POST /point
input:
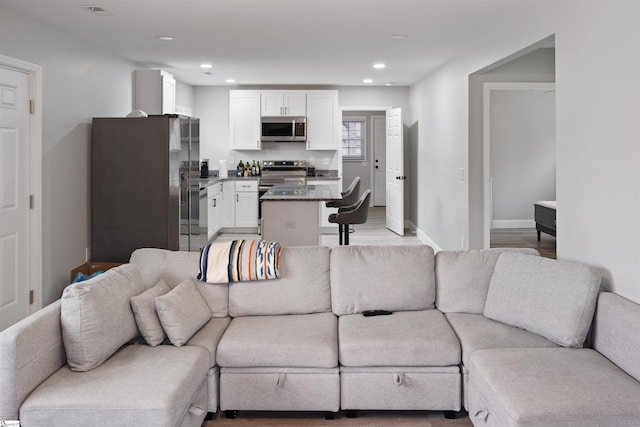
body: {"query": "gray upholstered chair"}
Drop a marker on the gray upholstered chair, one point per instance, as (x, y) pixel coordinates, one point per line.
(349, 196)
(355, 214)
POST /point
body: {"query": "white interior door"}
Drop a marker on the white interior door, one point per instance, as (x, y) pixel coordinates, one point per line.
(14, 197)
(395, 172)
(380, 161)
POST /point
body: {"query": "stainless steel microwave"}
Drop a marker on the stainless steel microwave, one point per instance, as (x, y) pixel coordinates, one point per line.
(283, 129)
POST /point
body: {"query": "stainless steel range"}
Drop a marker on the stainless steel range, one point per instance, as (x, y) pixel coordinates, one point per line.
(280, 172)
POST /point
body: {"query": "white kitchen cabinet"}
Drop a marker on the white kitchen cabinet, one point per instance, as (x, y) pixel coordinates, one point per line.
(244, 120)
(325, 226)
(323, 120)
(214, 209)
(283, 103)
(228, 204)
(246, 204)
(155, 92)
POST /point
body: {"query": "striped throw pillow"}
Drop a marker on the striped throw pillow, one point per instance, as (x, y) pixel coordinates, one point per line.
(239, 260)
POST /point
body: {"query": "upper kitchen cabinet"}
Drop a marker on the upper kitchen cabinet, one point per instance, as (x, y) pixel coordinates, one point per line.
(275, 103)
(323, 120)
(155, 92)
(244, 120)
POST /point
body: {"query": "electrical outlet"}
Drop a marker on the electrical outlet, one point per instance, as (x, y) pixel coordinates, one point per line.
(460, 174)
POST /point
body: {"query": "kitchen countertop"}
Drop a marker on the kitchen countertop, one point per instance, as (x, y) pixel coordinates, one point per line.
(204, 182)
(303, 193)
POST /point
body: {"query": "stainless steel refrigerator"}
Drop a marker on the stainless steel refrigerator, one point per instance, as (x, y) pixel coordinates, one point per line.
(145, 182)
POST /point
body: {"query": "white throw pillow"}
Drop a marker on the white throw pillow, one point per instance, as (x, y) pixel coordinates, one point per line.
(182, 312)
(144, 310)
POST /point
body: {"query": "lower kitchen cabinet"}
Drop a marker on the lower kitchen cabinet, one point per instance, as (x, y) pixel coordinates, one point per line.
(246, 204)
(240, 204)
(325, 226)
(214, 209)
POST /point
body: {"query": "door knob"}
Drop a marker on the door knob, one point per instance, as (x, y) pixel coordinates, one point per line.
(376, 166)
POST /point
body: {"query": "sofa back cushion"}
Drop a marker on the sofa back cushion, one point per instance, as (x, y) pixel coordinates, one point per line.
(547, 297)
(615, 332)
(462, 278)
(96, 316)
(303, 286)
(395, 278)
(176, 266)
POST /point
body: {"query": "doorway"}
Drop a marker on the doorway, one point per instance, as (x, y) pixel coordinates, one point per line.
(518, 157)
(20, 190)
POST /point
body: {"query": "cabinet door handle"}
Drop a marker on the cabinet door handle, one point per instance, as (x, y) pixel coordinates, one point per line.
(237, 197)
(280, 110)
(215, 203)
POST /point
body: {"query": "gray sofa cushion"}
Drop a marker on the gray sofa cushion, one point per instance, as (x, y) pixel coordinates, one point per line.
(303, 286)
(182, 312)
(616, 332)
(144, 310)
(396, 278)
(174, 267)
(137, 386)
(544, 387)
(30, 352)
(209, 336)
(551, 298)
(96, 316)
(476, 332)
(409, 338)
(295, 340)
(462, 278)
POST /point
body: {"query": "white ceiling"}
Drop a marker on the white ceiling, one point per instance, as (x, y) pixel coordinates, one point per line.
(280, 42)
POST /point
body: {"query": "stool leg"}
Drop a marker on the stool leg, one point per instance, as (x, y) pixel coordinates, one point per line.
(346, 234)
(340, 234)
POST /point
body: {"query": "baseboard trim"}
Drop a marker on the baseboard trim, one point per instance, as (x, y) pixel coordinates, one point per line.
(513, 223)
(424, 238)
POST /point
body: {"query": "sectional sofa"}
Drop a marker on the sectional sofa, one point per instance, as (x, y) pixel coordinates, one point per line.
(500, 333)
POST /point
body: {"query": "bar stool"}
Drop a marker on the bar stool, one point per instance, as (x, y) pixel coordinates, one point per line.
(349, 196)
(347, 215)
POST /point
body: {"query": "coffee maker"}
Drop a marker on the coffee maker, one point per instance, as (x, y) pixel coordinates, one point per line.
(204, 168)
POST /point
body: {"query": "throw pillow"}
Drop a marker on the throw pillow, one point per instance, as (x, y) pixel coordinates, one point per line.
(144, 310)
(182, 312)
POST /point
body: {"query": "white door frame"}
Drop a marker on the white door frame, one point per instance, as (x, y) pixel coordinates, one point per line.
(34, 72)
(488, 87)
(369, 108)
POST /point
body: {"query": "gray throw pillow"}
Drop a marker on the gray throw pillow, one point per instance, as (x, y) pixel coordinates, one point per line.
(182, 312)
(144, 310)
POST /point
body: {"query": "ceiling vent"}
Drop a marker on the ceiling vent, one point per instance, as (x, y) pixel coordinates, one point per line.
(97, 10)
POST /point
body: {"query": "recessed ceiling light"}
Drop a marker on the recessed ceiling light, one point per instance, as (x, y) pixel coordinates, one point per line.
(206, 66)
(367, 81)
(379, 66)
(230, 81)
(208, 73)
(97, 10)
(389, 83)
(165, 38)
(399, 36)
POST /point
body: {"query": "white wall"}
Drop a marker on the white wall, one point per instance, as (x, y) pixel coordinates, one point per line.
(523, 154)
(80, 81)
(597, 132)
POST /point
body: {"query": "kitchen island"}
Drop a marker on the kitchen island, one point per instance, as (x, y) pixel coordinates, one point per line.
(291, 213)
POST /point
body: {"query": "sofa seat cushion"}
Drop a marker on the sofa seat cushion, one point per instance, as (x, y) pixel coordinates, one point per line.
(476, 332)
(139, 385)
(209, 336)
(550, 386)
(297, 340)
(404, 338)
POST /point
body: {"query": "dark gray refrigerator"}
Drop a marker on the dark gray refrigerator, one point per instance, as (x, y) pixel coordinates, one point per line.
(145, 182)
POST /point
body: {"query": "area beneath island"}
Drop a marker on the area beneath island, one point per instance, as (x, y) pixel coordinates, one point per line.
(291, 213)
